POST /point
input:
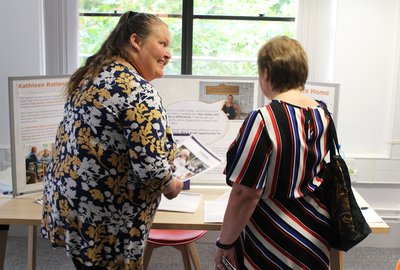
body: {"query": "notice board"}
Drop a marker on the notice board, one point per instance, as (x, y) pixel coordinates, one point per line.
(193, 105)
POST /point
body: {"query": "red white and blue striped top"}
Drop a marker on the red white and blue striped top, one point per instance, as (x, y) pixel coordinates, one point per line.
(280, 148)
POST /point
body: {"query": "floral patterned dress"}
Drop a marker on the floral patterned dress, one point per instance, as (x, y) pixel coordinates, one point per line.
(112, 158)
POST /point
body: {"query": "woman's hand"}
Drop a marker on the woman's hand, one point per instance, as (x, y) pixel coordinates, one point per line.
(229, 254)
(173, 188)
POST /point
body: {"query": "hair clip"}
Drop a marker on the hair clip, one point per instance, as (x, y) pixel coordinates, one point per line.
(132, 13)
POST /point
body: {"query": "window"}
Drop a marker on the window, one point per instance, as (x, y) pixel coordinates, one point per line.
(209, 37)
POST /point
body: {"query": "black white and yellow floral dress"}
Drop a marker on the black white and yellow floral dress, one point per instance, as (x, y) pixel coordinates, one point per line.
(112, 158)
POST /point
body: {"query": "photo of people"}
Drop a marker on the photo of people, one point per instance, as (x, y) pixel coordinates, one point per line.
(182, 157)
(36, 162)
(193, 158)
(195, 165)
(181, 162)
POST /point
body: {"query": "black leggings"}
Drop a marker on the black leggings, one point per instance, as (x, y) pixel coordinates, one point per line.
(79, 266)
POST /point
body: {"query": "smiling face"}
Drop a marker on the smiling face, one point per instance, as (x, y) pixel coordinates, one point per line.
(152, 54)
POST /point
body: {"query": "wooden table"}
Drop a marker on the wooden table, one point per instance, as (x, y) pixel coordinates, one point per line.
(21, 211)
(24, 211)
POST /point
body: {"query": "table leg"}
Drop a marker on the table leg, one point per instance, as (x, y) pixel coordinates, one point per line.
(3, 244)
(336, 259)
(32, 237)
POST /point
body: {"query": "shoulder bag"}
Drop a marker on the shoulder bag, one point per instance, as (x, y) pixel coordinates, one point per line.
(347, 221)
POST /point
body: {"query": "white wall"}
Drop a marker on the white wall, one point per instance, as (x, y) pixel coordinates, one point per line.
(21, 50)
(355, 43)
(365, 66)
(363, 56)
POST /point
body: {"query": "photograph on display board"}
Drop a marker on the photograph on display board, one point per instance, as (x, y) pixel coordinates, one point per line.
(237, 98)
(37, 160)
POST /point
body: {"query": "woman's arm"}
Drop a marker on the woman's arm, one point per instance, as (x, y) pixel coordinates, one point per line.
(242, 202)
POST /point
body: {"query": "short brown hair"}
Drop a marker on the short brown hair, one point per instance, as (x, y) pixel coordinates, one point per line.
(286, 63)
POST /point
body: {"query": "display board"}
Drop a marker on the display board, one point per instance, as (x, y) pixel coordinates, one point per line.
(194, 106)
(36, 108)
(326, 92)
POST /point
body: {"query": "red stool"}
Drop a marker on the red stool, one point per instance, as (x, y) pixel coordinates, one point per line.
(183, 240)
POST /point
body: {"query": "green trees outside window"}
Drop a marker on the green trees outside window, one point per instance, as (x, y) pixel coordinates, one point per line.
(226, 34)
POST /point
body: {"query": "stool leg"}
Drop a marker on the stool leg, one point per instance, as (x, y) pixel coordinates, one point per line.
(148, 250)
(185, 255)
(3, 244)
(194, 256)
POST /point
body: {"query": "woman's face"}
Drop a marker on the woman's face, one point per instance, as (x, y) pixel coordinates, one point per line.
(154, 53)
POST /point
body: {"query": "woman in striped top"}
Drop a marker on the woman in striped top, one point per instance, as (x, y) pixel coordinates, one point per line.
(276, 218)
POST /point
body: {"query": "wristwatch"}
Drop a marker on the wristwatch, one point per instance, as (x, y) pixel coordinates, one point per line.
(224, 246)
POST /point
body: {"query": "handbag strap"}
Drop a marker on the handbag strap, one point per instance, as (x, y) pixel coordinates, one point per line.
(333, 143)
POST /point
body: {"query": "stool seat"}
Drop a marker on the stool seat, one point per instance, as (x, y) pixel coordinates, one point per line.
(183, 240)
(174, 237)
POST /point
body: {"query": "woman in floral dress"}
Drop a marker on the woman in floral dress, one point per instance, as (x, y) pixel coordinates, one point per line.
(113, 150)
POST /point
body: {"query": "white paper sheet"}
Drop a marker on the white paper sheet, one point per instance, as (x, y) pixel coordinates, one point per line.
(224, 197)
(214, 211)
(193, 159)
(184, 202)
(371, 216)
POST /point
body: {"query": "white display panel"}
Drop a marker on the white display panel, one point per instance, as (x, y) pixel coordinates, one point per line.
(36, 108)
(193, 105)
(193, 110)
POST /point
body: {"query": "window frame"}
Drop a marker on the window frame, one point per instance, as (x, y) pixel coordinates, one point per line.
(188, 18)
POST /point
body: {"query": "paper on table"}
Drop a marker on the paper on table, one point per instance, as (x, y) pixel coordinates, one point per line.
(184, 202)
(369, 213)
(224, 197)
(371, 216)
(214, 210)
(5, 181)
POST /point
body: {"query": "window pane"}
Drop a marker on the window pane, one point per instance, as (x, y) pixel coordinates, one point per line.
(280, 8)
(175, 29)
(92, 33)
(122, 6)
(230, 48)
(94, 29)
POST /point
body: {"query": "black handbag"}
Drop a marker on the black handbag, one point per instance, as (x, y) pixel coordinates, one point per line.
(348, 224)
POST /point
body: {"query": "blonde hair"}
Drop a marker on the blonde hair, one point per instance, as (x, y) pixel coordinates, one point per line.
(286, 63)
